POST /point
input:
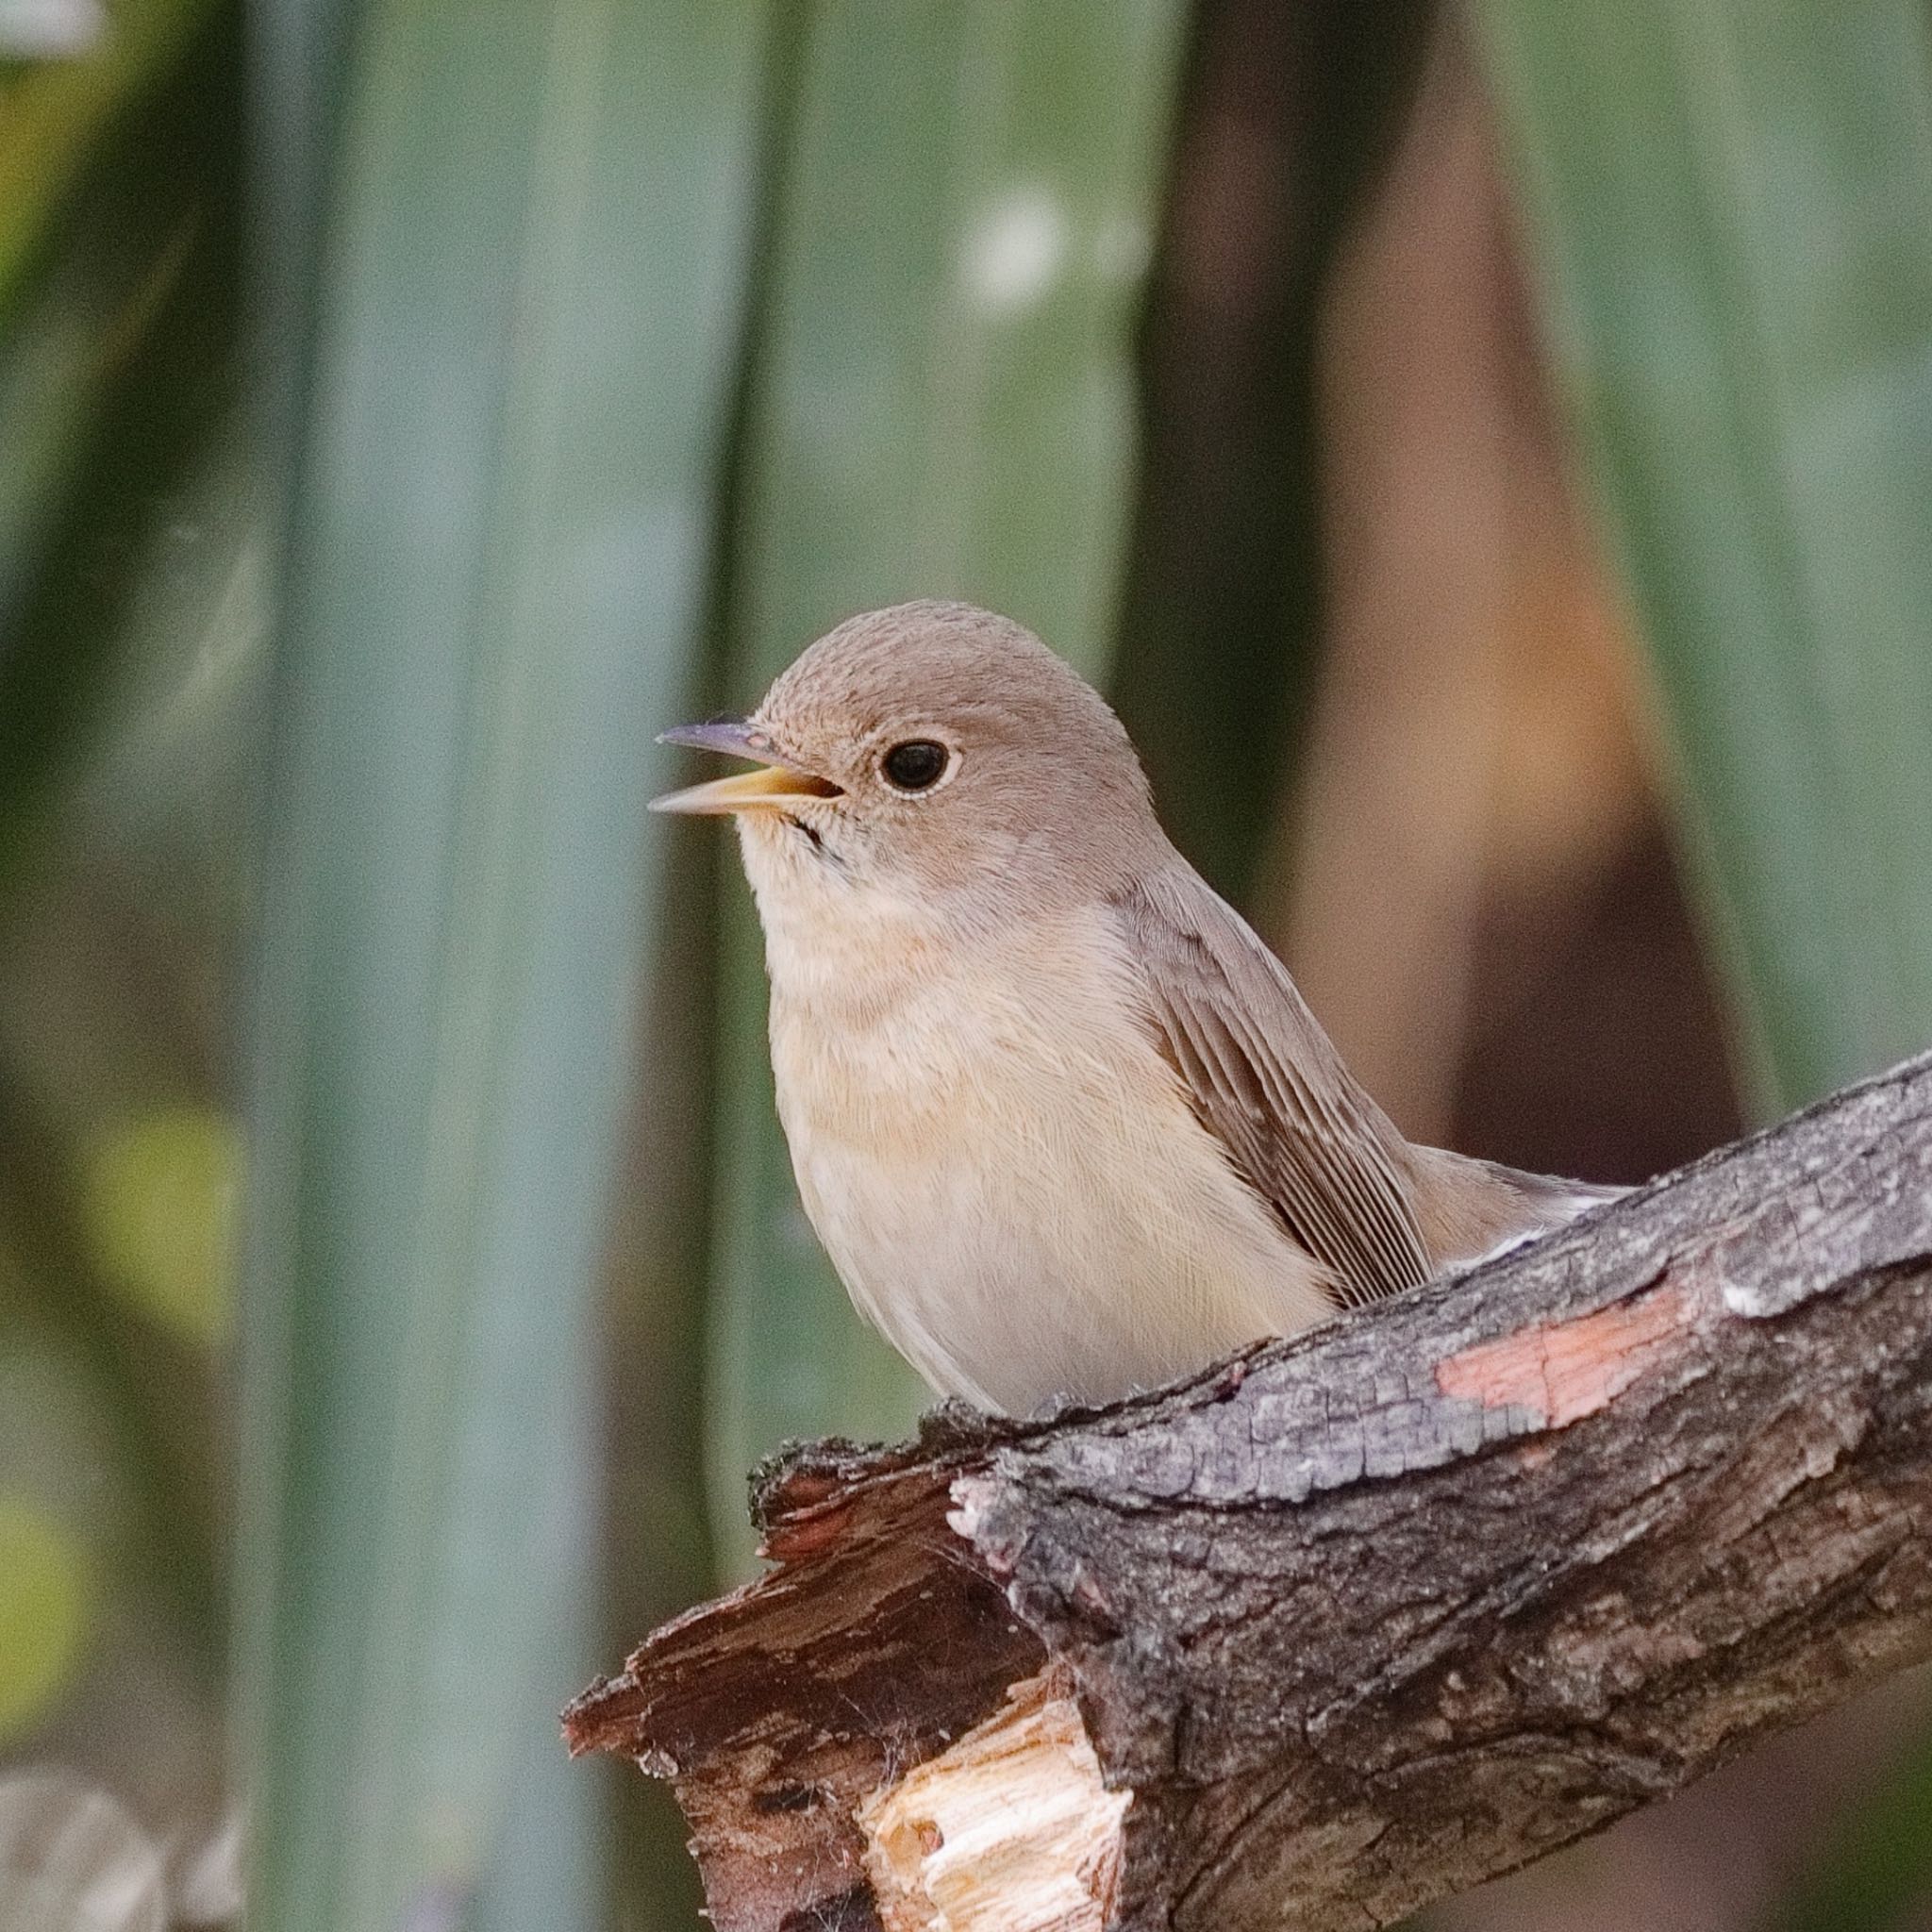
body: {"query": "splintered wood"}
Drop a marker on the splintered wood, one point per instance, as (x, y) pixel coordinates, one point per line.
(1010, 1830)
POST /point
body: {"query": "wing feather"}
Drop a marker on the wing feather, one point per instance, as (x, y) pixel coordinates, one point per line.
(1264, 1079)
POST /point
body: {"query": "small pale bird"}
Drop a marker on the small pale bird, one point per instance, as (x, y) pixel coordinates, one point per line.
(1063, 1124)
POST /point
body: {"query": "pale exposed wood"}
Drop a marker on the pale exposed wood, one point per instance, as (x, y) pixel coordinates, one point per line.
(1011, 1829)
(1360, 1619)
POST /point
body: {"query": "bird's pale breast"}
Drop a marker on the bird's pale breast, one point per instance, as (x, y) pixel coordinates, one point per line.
(1002, 1167)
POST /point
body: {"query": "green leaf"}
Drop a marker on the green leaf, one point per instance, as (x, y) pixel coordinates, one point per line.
(54, 116)
(160, 1196)
(1731, 210)
(514, 382)
(45, 1595)
(942, 405)
(116, 332)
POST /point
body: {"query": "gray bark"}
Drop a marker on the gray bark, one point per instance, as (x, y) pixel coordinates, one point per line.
(1360, 1619)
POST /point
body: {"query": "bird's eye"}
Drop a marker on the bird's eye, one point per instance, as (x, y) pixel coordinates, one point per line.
(914, 765)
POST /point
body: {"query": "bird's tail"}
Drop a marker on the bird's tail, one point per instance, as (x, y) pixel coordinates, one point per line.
(1471, 1209)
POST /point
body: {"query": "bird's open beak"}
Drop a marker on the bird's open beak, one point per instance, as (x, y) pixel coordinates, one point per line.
(773, 788)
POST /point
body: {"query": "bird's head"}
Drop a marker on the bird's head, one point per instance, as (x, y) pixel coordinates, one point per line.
(937, 756)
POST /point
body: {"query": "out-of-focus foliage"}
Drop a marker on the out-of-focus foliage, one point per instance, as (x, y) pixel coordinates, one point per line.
(1733, 210)
(160, 1201)
(55, 112)
(116, 311)
(494, 565)
(44, 1609)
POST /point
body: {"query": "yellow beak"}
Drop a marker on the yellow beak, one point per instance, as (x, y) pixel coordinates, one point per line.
(771, 790)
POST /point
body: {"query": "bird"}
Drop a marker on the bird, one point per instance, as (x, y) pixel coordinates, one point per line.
(1064, 1125)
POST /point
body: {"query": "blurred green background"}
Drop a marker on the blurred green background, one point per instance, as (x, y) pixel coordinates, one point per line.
(1486, 453)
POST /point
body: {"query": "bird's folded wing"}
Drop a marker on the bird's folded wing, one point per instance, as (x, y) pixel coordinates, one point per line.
(1265, 1080)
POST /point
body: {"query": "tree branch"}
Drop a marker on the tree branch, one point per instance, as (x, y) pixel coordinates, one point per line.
(1356, 1620)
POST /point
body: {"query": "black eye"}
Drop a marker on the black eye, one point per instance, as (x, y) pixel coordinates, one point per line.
(915, 764)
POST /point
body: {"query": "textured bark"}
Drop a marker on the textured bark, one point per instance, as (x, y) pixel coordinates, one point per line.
(1358, 1619)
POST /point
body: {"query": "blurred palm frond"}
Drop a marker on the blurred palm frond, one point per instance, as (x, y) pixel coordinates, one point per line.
(1732, 212)
(492, 580)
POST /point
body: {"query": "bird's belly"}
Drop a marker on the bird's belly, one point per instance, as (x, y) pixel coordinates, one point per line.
(1027, 1212)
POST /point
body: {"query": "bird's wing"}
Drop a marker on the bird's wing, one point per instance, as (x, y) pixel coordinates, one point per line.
(1264, 1079)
